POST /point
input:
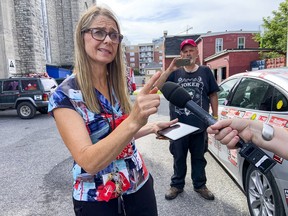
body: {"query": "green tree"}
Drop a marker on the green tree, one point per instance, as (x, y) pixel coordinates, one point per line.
(136, 72)
(275, 28)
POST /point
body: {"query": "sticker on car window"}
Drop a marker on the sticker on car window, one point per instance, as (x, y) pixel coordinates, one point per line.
(279, 104)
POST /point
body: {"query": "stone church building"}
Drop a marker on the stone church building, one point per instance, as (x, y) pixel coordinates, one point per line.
(34, 33)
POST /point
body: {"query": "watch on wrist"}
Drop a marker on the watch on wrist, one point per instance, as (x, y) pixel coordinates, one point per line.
(267, 132)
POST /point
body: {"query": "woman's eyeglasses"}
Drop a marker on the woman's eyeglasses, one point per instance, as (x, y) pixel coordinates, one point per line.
(100, 35)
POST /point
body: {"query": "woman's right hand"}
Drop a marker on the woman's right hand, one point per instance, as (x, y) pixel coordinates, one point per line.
(146, 103)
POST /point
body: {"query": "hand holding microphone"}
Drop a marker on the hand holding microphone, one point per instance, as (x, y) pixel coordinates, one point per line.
(179, 97)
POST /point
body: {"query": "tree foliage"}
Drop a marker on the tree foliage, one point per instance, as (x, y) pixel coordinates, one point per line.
(275, 32)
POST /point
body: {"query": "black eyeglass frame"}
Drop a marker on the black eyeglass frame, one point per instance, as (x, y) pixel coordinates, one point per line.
(120, 36)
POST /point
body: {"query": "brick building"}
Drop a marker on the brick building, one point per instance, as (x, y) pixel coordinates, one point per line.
(140, 56)
(229, 52)
(226, 53)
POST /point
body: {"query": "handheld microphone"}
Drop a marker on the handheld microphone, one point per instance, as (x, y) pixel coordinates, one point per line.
(179, 97)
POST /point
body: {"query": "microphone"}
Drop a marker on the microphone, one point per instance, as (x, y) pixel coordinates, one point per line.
(179, 97)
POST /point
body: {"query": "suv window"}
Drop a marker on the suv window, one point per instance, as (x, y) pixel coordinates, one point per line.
(29, 85)
(10, 85)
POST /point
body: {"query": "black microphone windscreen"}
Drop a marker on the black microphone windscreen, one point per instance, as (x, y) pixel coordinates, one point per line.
(176, 94)
(168, 88)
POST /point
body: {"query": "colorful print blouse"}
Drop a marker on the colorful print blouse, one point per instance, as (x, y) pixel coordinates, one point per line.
(126, 174)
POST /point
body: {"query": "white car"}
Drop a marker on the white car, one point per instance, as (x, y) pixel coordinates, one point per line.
(263, 96)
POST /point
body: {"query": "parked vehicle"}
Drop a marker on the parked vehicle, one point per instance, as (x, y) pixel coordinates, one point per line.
(263, 96)
(26, 95)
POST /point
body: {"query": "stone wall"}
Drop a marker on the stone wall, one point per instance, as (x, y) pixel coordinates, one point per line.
(7, 37)
(34, 33)
(30, 36)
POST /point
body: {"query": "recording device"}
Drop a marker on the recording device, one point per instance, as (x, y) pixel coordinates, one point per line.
(183, 62)
(179, 97)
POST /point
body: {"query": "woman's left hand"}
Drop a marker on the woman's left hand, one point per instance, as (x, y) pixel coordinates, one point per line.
(154, 127)
(161, 125)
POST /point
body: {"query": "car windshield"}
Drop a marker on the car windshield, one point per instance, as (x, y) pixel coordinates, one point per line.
(49, 84)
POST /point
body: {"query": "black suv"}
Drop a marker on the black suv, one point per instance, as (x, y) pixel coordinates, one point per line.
(27, 95)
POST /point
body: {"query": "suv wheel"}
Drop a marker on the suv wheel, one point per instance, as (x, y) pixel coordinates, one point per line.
(26, 110)
(262, 193)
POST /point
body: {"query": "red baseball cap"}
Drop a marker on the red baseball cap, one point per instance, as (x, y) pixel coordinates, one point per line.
(186, 42)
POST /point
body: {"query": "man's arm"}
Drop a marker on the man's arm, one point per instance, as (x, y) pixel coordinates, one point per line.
(162, 79)
(165, 74)
(214, 103)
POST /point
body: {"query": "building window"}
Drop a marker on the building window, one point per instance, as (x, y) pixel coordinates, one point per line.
(132, 54)
(241, 42)
(132, 59)
(219, 45)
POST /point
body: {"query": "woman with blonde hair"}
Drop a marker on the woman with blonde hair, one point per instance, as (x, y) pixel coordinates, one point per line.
(99, 126)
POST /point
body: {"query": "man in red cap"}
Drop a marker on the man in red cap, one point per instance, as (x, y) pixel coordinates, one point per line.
(199, 81)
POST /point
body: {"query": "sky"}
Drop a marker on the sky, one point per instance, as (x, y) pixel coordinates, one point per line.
(141, 21)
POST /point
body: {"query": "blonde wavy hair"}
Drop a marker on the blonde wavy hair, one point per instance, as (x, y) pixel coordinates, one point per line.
(82, 66)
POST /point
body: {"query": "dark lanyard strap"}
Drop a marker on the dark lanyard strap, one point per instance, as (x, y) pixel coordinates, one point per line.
(121, 206)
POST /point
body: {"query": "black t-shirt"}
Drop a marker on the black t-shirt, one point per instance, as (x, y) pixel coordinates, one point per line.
(200, 84)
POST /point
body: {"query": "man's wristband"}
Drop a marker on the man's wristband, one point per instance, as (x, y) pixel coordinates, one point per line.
(215, 117)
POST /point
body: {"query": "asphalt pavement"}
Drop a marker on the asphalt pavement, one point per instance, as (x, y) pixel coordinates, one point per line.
(36, 177)
(229, 199)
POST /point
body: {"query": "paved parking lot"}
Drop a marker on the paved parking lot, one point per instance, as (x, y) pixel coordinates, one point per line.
(36, 178)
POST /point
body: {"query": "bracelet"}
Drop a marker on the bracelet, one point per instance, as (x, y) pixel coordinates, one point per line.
(267, 132)
(215, 117)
